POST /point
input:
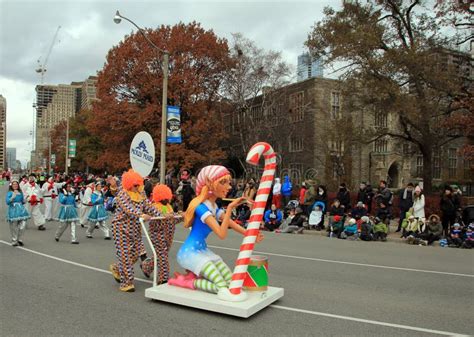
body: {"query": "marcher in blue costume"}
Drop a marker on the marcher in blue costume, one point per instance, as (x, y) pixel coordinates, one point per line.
(98, 214)
(67, 213)
(16, 213)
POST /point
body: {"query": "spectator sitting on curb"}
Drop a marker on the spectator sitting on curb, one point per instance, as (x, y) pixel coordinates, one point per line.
(380, 230)
(285, 223)
(336, 227)
(336, 209)
(433, 232)
(351, 230)
(469, 242)
(366, 229)
(414, 229)
(296, 224)
(455, 239)
(272, 218)
(359, 211)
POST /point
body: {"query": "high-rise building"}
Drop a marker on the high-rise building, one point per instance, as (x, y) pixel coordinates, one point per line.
(88, 93)
(308, 67)
(11, 158)
(56, 103)
(3, 132)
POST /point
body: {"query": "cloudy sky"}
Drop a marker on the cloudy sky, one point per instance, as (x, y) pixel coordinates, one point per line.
(88, 32)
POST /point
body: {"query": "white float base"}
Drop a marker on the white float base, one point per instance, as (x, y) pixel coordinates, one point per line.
(255, 302)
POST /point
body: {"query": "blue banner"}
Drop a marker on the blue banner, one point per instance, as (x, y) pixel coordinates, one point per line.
(173, 125)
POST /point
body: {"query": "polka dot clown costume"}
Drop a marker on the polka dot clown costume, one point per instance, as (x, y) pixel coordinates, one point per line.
(131, 204)
(161, 233)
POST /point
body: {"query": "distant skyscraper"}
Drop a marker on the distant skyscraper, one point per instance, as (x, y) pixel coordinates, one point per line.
(3, 133)
(56, 103)
(308, 67)
(11, 158)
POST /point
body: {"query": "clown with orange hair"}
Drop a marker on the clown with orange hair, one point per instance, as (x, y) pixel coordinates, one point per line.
(161, 233)
(131, 205)
(206, 270)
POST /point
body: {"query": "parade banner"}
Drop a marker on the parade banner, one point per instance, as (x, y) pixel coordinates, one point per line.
(142, 153)
(173, 125)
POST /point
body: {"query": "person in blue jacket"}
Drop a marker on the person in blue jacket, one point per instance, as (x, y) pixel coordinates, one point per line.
(272, 218)
(16, 213)
(98, 215)
(286, 189)
(67, 213)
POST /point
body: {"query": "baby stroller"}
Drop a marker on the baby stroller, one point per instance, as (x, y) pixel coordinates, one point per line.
(468, 215)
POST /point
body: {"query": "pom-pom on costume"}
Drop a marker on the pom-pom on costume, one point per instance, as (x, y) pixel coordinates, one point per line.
(67, 215)
(86, 204)
(16, 216)
(98, 214)
(49, 192)
(161, 233)
(130, 206)
(34, 199)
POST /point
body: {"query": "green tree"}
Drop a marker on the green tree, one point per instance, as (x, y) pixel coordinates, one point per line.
(394, 59)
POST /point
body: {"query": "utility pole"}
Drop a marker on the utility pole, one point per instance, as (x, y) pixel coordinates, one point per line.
(164, 114)
(49, 151)
(67, 147)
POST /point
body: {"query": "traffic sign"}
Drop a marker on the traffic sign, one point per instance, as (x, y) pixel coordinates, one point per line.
(72, 148)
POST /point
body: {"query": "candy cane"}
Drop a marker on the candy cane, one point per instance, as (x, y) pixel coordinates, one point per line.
(253, 228)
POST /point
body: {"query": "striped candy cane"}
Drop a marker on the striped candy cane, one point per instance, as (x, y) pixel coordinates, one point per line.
(253, 228)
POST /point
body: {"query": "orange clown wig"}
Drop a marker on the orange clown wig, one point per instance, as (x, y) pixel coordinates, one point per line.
(161, 192)
(130, 179)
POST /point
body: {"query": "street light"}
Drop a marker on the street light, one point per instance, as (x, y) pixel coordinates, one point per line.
(117, 19)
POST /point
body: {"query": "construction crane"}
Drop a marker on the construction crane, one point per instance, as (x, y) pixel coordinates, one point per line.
(42, 67)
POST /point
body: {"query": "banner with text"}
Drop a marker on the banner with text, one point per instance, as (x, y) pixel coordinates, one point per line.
(173, 125)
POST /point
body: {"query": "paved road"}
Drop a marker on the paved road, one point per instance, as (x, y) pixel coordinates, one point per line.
(332, 288)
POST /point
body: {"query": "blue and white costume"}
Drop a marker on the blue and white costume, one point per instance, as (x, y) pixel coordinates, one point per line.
(67, 215)
(16, 216)
(194, 254)
(98, 215)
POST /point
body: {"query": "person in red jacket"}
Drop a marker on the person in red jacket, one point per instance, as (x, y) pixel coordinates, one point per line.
(302, 193)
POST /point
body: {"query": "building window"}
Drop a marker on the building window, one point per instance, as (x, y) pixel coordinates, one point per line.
(256, 113)
(335, 105)
(296, 144)
(436, 164)
(381, 119)
(381, 145)
(336, 146)
(419, 166)
(468, 169)
(452, 162)
(297, 106)
(296, 172)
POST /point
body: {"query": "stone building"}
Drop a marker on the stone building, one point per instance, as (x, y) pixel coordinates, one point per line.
(317, 137)
(306, 124)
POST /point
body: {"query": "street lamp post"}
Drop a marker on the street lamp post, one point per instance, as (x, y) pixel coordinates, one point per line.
(117, 19)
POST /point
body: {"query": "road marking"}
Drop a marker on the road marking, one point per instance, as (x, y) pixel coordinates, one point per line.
(315, 313)
(70, 262)
(361, 320)
(348, 263)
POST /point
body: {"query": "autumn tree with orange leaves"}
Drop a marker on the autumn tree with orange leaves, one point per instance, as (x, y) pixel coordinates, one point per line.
(129, 92)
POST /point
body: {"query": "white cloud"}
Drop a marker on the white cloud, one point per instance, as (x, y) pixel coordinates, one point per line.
(87, 33)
